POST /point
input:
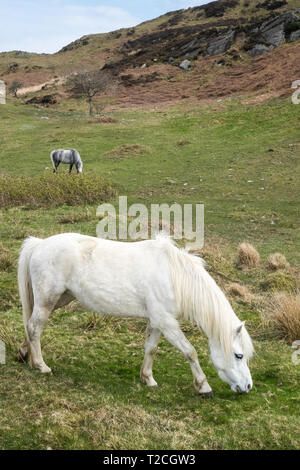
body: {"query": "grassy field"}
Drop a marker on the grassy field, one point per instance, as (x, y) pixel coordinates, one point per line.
(241, 161)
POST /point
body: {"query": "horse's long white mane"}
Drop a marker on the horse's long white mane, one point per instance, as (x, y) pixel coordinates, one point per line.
(201, 301)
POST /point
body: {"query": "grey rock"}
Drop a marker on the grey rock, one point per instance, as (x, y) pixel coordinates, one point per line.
(295, 35)
(189, 45)
(275, 35)
(273, 31)
(185, 65)
(260, 49)
(220, 45)
(193, 54)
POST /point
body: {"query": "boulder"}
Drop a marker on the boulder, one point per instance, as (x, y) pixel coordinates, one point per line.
(260, 49)
(193, 54)
(12, 68)
(295, 35)
(185, 65)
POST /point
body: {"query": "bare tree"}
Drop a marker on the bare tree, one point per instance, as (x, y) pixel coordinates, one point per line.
(88, 84)
(14, 87)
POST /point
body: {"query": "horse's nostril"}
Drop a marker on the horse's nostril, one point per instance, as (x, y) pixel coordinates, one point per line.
(249, 387)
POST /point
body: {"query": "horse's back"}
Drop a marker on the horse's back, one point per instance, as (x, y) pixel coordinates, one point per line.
(109, 277)
(65, 156)
(115, 261)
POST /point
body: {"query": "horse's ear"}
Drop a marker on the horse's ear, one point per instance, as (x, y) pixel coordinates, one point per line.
(239, 328)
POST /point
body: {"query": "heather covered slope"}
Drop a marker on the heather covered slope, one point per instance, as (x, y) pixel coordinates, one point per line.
(233, 46)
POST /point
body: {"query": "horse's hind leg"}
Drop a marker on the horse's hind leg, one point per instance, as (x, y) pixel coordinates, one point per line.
(56, 166)
(152, 338)
(35, 327)
(23, 353)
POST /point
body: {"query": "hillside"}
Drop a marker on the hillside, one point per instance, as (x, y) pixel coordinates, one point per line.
(233, 47)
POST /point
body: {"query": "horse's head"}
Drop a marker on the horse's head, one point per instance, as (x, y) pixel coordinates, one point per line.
(234, 370)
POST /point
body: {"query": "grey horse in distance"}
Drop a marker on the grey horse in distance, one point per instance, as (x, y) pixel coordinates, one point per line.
(70, 157)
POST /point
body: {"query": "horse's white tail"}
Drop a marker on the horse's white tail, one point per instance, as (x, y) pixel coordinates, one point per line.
(51, 156)
(24, 278)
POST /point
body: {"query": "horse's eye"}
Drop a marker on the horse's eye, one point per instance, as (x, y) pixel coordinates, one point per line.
(239, 356)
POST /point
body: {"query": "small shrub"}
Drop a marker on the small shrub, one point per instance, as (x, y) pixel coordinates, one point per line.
(283, 316)
(277, 261)
(53, 190)
(279, 281)
(238, 290)
(248, 256)
(75, 217)
(5, 258)
(20, 234)
(291, 27)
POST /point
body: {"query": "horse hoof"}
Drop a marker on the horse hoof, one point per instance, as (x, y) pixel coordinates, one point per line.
(46, 370)
(21, 357)
(207, 395)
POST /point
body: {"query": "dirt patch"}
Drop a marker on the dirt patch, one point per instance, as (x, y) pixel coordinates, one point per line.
(126, 151)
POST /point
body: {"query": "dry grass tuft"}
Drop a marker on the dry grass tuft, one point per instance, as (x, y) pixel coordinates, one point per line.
(104, 120)
(53, 190)
(283, 316)
(248, 256)
(277, 261)
(7, 336)
(5, 258)
(238, 291)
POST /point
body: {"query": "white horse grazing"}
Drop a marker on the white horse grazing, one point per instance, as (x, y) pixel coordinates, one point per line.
(150, 279)
(70, 157)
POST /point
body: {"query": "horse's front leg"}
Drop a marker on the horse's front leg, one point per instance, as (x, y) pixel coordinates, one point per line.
(152, 338)
(174, 335)
(70, 170)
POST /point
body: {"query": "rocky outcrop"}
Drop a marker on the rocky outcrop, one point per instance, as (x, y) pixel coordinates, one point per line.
(46, 100)
(12, 68)
(221, 44)
(274, 31)
(75, 45)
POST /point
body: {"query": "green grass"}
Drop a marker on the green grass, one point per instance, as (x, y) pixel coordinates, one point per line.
(94, 398)
(229, 145)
